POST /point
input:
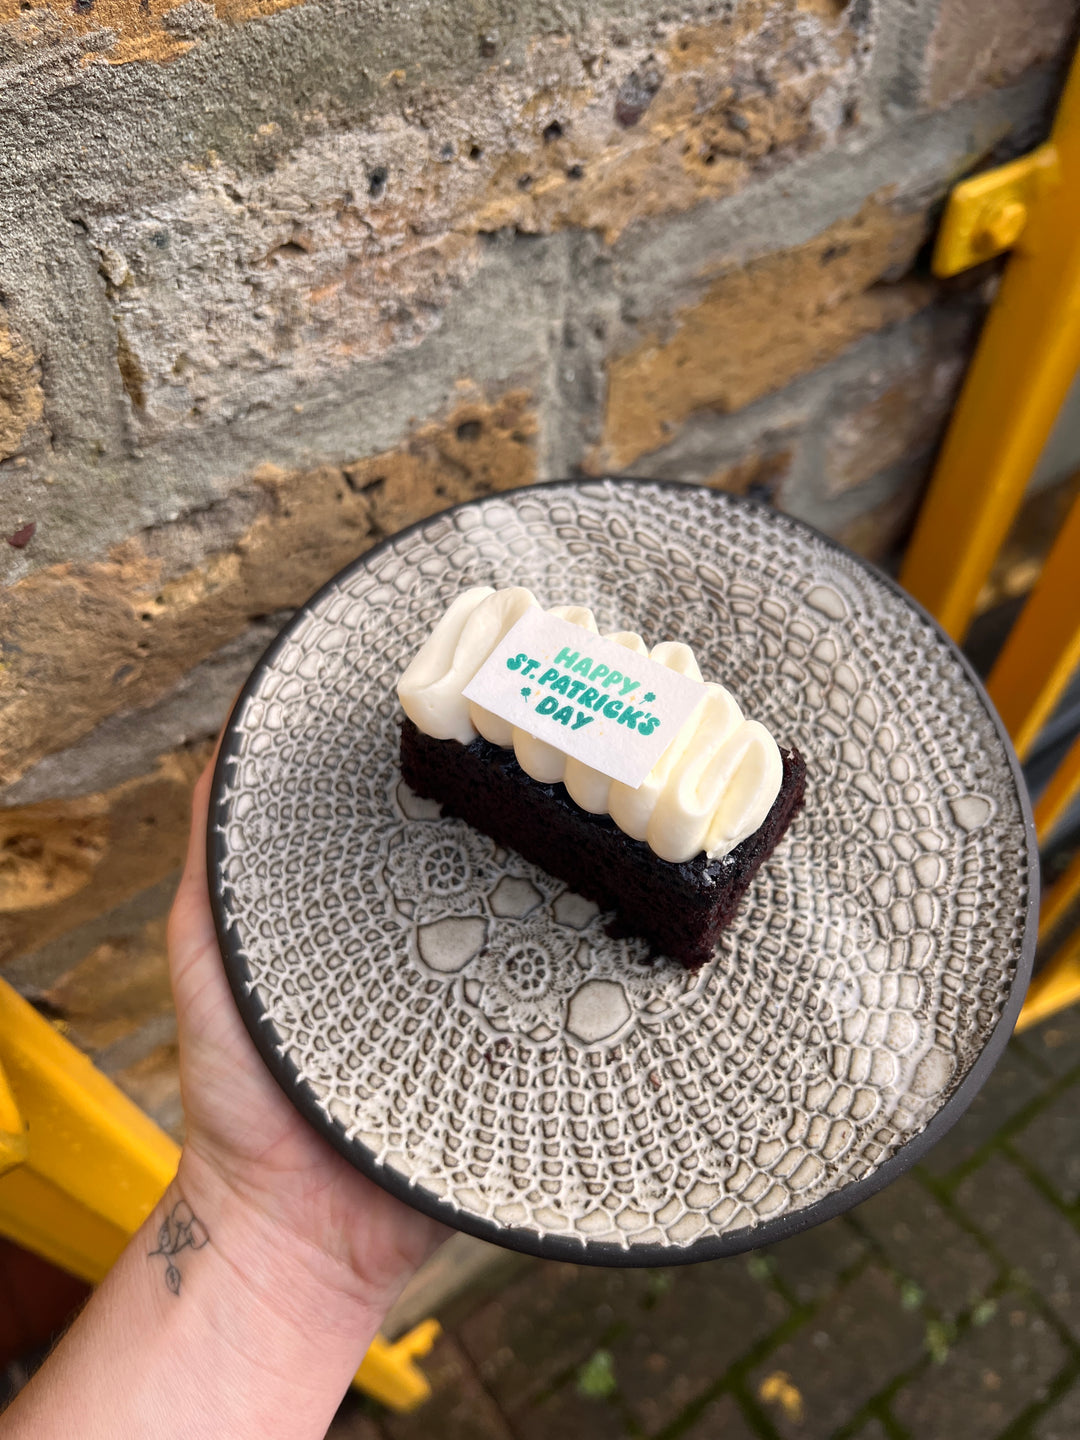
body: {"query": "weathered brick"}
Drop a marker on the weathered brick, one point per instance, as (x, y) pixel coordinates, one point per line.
(547, 1324)
(568, 1413)
(992, 1374)
(1051, 1142)
(36, 970)
(860, 1341)
(1056, 1043)
(151, 1041)
(1034, 1237)
(154, 1084)
(906, 418)
(710, 1316)
(119, 986)
(980, 44)
(775, 449)
(720, 1420)
(241, 286)
(120, 31)
(21, 398)
(925, 1244)
(811, 1263)
(759, 474)
(877, 533)
(352, 1422)
(759, 326)
(481, 449)
(459, 1409)
(48, 852)
(81, 642)
(872, 1430)
(128, 744)
(1061, 1421)
(104, 847)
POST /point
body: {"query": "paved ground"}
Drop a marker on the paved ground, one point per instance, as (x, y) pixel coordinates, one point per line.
(947, 1308)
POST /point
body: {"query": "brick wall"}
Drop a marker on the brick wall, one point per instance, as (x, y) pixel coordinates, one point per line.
(279, 278)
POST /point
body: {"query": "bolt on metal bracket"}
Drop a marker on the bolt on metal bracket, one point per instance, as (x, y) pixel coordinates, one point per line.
(988, 214)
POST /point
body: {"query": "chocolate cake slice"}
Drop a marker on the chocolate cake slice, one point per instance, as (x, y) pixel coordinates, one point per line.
(679, 908)
(615, 767)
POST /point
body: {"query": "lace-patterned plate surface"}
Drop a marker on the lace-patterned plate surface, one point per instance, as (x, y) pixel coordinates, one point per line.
(460, 1025)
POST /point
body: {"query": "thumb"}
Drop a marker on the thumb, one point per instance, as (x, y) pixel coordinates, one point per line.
(191, 921)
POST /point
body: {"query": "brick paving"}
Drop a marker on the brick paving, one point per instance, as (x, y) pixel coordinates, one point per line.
(946, 1308)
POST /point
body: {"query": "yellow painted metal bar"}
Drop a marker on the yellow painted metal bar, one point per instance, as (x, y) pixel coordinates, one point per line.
(1043, 648)
(14, 1143)
(389, 1372)
(1055, 986)
(1059, 899)
(1059, 794)
(44, 1219)
(95, 1165)
(1025, 362)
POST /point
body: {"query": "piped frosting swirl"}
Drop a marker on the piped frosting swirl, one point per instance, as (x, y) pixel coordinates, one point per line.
(712, 787)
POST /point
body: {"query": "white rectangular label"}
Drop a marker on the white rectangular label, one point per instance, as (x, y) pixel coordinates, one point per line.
(593, 699)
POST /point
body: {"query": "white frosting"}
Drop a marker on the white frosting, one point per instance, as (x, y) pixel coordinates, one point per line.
(712, 787)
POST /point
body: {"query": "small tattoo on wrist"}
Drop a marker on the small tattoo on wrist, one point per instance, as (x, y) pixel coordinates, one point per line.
(180, 1230)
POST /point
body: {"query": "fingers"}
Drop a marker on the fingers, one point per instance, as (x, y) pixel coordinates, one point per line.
(195, 864)
(190, 922)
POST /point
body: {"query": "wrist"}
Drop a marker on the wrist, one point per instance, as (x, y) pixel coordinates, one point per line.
(275, 1328)
(284, 1278)
(214, 1321)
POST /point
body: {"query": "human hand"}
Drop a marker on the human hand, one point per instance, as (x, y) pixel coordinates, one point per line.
(247, 1145)
(246, 1301)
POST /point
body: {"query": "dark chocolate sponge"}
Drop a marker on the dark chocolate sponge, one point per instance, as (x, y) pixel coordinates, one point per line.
(680, 909)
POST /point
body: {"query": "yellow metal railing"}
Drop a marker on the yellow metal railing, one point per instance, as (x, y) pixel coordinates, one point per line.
(1027, 358)
(1043, 648)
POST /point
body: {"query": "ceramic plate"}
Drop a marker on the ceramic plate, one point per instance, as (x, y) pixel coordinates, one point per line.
(461, 1026)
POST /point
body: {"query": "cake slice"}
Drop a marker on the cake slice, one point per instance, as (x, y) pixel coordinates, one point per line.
(672, 855)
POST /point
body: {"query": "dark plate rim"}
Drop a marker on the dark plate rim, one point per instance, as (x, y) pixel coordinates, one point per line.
(561, 1247)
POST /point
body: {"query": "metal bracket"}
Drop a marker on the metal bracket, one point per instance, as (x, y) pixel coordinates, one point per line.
(987, 214)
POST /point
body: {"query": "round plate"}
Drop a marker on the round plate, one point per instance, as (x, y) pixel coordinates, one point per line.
(460, 1025)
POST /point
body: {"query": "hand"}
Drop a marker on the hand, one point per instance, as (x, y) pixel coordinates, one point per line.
(244, 1304)
(245, 1136)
